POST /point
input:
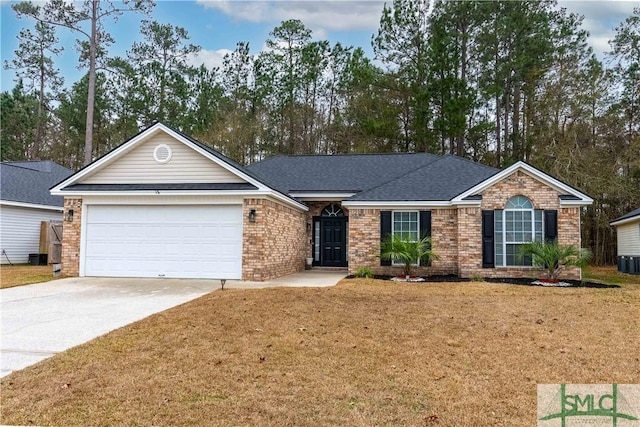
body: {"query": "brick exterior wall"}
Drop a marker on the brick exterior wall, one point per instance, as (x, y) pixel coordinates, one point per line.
(364, 238)
(71, 238)
(495, 197)
(276, 244)
(456, 233)
(444, 241)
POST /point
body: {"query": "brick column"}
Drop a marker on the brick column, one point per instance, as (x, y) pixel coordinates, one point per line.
(71, 238)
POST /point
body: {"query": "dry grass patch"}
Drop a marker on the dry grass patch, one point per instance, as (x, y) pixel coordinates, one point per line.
(363, 353)
(17, 275)
(609, 274)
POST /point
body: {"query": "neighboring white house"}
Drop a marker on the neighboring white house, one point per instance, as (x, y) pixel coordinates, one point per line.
(25, 201)
(628, 229)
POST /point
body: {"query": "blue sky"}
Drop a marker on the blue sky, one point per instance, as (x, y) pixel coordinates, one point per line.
(217, 26)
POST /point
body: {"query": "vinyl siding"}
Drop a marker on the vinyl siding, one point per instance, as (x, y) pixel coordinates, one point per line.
(139, 166)
(629, 238)
(20, 231)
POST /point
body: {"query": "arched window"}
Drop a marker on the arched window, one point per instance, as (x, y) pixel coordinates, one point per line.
(517, 224)
(332, 210)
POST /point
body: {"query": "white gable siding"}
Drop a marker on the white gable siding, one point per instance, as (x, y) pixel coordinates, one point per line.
(139, 166)
(20, 231)
(629, 238)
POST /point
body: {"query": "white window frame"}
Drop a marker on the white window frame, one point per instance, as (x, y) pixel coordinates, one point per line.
(502, 263)
(393, 231)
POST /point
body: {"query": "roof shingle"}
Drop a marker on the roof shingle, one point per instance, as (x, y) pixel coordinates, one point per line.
(30, 181)
(347, 173)
(376, 177)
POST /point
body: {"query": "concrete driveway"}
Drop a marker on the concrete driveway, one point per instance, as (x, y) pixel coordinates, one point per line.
(46, 318)
(41, 320)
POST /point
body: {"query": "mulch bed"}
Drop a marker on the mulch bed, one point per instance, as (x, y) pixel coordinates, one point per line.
(510, 281)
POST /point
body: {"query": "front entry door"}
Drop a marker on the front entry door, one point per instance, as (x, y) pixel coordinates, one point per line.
(333, 241)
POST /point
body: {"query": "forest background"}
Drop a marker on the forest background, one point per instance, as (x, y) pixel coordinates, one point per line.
(492, 81)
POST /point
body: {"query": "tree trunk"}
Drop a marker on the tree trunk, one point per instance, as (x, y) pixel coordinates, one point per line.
(37, 141)
(91, 92)
(498, 131)
(515, 121)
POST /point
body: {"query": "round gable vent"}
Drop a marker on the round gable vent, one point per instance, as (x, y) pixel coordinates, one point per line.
(162, 153)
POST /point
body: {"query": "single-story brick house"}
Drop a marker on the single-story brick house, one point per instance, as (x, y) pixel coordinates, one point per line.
(165, 205)
(628, 242)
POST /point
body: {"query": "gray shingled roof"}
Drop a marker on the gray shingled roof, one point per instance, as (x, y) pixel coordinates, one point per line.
(29, 182)
(347, 173)
(631, 214)
(441, 180)
(376, 177)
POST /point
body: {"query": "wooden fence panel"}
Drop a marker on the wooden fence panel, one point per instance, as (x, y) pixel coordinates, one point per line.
(51, 240)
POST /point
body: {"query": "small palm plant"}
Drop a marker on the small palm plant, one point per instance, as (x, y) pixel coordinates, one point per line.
(401, 248)
(554, 257)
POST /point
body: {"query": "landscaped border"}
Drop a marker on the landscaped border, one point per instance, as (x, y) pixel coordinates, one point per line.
(509, 281)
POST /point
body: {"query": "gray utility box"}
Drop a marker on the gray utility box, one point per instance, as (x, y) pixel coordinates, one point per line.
(38, 259)
(629, 264)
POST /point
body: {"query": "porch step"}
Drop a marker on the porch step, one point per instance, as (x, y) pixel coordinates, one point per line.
(345, 269)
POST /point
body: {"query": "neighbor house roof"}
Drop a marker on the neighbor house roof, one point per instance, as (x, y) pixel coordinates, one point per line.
(29, 182)
(629, 217)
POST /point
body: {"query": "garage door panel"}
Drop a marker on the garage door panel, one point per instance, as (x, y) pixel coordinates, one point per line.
(164, 241)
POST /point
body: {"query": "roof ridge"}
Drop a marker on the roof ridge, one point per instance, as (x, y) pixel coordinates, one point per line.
(630, 214)
(469, 161)
(346, 155)
(399, 176)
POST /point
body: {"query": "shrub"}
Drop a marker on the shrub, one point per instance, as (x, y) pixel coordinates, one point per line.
(409, 252)
(365, 272)
(553, 257)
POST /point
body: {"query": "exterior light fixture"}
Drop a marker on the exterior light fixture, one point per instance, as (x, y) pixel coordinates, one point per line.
(69, 216)
(252, 215)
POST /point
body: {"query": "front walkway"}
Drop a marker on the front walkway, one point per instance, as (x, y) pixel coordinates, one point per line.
(315, 278)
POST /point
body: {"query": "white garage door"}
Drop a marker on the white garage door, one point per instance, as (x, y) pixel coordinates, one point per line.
(185, 241)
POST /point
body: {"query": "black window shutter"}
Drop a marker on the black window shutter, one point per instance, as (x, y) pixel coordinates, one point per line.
(425, 231)
(385, 231)
(488, 248)
(550, 225)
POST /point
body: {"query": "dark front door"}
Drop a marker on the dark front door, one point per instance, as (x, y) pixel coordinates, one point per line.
(333, 242)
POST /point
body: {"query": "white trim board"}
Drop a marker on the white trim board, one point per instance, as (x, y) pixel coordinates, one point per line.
(32, 205)
(534, 173)
(626, 220)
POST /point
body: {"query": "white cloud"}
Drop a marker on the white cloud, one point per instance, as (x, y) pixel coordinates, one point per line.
(210, 58)
(320, 15)
(600, 19)
(323, 16)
